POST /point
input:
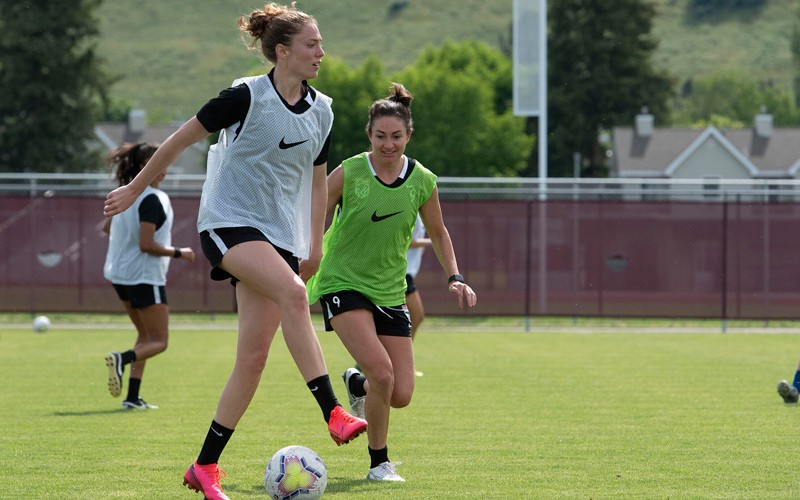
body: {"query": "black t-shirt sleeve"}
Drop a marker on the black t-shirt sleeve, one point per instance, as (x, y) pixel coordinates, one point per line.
(229, 107)
(151, 210)
(232, 105)
(323, 155)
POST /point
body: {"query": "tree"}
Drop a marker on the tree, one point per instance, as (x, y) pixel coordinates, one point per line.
(52, 84)
(600, 75)
(735, 95)
(719, 8)
(795, 48)
(462, 112)
(353, 91)
(462, 119)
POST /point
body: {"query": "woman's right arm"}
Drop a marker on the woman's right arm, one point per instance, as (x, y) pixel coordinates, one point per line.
(335, 188)
(123, 197)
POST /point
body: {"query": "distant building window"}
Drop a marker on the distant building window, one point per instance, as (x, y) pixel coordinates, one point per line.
(711, 188)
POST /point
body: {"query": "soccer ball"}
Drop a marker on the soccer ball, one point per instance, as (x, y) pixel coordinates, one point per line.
(295, 472)
(41, 324)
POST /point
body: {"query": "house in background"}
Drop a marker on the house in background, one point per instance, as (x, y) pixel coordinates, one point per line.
(110, 135)
(760, 152)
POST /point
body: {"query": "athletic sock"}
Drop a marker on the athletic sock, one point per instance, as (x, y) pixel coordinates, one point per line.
(323, 392)
(377, 457)
(133, 389)
(216, 440)
(357, 385)
(128, 357)
(796, 382)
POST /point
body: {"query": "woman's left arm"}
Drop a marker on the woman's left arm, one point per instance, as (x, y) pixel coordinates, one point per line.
(431, 213)
(148, 244)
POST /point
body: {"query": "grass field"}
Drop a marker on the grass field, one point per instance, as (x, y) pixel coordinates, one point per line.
(592, 412)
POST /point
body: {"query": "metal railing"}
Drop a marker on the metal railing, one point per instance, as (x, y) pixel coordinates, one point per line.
(643, 189)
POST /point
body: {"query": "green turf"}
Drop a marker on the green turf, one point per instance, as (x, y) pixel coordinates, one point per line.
(611, 414)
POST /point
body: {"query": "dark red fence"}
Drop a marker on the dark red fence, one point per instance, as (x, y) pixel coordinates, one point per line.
(688, 259)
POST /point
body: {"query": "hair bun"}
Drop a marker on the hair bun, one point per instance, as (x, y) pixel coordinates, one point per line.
(400, 94)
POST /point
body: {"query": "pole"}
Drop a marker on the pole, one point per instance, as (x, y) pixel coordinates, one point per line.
(542, 143)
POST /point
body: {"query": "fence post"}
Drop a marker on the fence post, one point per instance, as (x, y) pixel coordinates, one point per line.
(528, 249)
(724, 265)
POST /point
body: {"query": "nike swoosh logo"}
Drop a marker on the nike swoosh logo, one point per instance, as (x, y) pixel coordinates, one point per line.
(218, 433)
(314, 389)
(286, 145)
(378, 218)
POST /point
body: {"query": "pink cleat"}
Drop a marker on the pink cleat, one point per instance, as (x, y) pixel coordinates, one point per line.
(345, 427)
(205, 479)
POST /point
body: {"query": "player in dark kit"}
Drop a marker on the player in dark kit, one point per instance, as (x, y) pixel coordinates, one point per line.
(789, 392)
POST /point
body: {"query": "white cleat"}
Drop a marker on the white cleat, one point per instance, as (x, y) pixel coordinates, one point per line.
(385, 472)
(115, 369)
(356, 402)
(139, 404)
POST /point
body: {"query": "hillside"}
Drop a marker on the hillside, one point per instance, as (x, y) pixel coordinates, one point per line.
(754, 41)
(172, 56)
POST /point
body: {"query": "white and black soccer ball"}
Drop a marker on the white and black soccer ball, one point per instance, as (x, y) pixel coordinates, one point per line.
(41, 324)
(295, 472)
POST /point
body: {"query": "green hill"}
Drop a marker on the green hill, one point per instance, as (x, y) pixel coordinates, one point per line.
(172, 56)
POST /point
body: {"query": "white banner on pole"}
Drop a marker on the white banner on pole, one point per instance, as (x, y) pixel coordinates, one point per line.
(529, 49)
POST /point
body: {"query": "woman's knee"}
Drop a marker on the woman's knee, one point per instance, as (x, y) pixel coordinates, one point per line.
(152, 345)
(161, 345)
(401, 396)
(382, 380)
(253, 360)
(295, 297)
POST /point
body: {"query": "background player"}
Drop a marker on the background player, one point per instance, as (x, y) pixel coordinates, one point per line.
(139, 251)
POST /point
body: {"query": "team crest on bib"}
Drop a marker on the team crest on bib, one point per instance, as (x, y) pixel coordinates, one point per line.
(361, 189)
(412, 192)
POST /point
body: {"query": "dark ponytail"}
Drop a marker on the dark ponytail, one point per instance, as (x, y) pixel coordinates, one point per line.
(129, 159)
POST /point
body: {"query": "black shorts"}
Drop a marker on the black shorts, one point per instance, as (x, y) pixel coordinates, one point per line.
(143, 295)
(392, 321)
(411, 287)
(216, 242)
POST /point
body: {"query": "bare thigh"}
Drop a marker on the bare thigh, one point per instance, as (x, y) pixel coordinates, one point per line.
(356, 329)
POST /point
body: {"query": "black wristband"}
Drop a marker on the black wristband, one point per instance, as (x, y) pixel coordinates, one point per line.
(177, 253)
(455, 277)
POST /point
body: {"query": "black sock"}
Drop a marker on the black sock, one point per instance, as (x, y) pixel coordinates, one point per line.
(216, 440)
(323, 392)
(357, 385)
(128, 357)
(377, 457)
(133, 389)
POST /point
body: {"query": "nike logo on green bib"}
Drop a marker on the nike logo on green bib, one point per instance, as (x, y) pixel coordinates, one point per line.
(378, 218)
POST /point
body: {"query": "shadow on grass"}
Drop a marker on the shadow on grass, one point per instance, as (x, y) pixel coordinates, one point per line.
(341, 485)
(335, 485)
(87, 413)
(256, 489)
